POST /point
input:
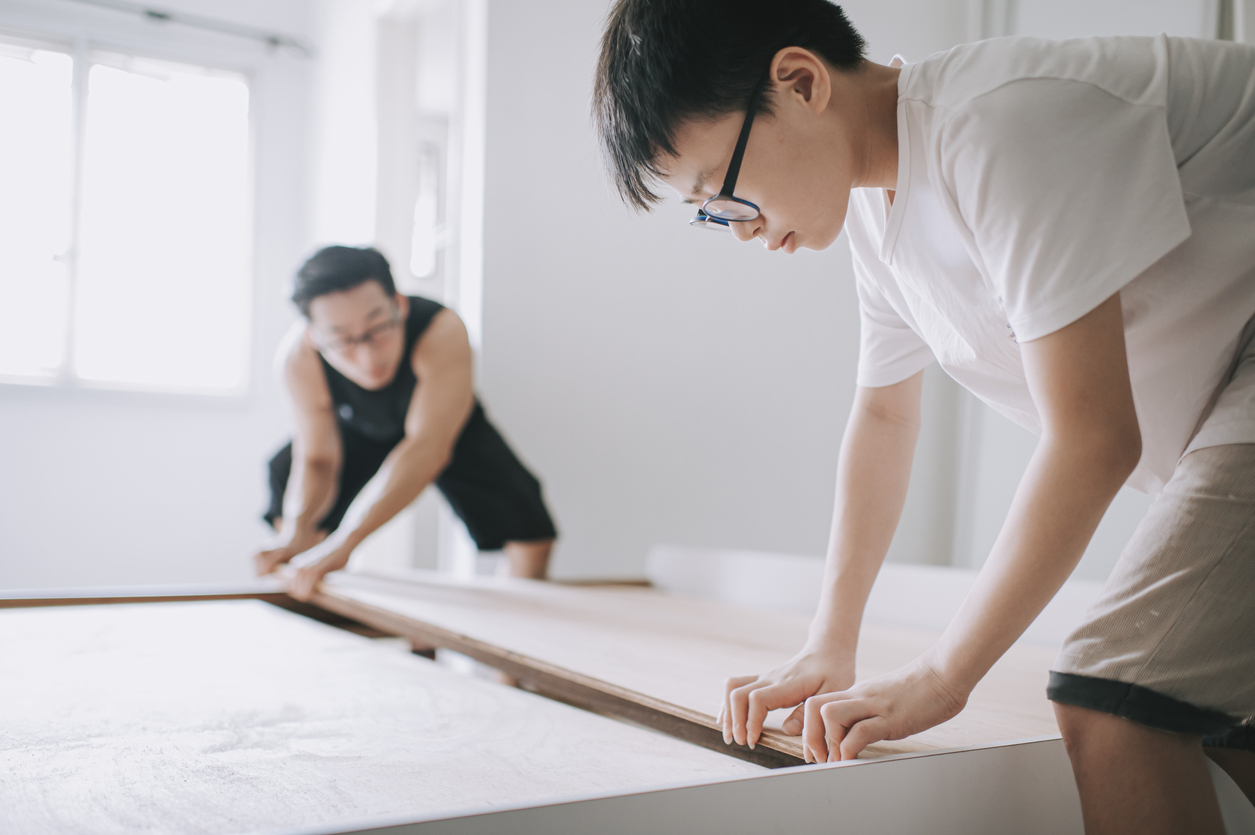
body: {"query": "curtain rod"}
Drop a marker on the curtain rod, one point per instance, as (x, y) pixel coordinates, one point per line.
(275, 40)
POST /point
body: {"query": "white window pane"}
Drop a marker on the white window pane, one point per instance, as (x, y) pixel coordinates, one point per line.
(426, 241)
(163, 292)
(36, 172)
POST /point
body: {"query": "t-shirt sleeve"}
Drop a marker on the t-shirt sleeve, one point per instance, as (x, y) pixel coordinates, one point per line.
(889, 350)
(1069, 191)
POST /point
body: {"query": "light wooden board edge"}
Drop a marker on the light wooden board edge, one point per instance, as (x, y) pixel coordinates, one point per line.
(137, 594)
(181, 594)
(566, 685)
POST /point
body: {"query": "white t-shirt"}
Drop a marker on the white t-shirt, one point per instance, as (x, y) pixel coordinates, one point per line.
(1038, 178)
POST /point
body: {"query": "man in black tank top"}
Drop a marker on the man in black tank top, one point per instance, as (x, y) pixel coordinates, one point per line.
(381, 383)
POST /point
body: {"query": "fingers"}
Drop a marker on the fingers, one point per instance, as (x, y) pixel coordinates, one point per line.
(267, 561)
(814, 748)
(261, 564)
(793, 725)
(763, 700)
(304, 580)
(829, 723)
(738, 705)
(307, 576)
(864, 733)
(840, 718)
(302, 584)
(725, 715)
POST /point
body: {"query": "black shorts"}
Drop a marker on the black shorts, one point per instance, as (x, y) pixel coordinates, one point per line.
(487, 486)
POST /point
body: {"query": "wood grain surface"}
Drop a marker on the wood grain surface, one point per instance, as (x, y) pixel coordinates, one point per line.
(240, 717)
(665, 656)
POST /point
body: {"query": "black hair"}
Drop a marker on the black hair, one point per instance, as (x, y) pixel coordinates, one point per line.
(665, 61)
(333, 269)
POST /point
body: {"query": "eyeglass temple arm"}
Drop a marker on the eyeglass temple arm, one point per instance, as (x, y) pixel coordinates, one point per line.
(734, 167)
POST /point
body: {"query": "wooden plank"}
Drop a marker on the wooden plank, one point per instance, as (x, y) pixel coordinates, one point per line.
(662, 659)
(561, 683)
(240, 717)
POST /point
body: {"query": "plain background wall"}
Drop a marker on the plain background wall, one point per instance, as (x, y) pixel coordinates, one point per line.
(100, 487)
(668, 385)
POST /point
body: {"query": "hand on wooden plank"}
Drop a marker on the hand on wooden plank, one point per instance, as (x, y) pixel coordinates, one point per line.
(330, 555)
(906, 701)
(283, 548)
(748, 699)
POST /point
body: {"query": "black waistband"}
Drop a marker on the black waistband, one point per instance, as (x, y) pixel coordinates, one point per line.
(1146, 707)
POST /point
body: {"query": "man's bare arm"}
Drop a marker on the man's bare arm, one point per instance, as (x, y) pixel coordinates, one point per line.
(1090, 444)
(442, 402)
(872, 476)
(316, 453)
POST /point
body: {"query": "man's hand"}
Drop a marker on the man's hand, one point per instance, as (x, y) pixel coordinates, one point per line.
(911, 699)
(331, 555)
(748, 699)
(283, 548)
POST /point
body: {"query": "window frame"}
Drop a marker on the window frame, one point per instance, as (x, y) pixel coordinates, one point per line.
(80, 36)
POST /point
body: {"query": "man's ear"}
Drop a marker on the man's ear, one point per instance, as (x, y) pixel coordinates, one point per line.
(802, 76)
(403, 304)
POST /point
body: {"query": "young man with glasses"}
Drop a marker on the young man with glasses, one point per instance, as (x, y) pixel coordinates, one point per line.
(380, 383)
(1069, 230)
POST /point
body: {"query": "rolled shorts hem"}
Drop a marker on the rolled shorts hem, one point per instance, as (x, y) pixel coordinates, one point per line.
(1150, 708)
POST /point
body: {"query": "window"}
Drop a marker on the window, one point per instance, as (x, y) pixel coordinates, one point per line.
(124, 222)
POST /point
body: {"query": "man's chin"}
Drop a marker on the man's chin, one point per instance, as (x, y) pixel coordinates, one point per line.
(821, 243)
(371, 382)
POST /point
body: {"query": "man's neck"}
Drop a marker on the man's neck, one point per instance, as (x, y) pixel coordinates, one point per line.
(874, 90)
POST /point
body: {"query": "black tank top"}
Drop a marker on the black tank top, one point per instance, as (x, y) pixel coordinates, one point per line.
(380, 415)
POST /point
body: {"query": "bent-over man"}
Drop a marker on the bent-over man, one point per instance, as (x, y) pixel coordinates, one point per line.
(1068, 228)
(380, 383)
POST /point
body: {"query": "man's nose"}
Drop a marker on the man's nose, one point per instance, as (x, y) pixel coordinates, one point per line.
(365, 350)
(745, 230)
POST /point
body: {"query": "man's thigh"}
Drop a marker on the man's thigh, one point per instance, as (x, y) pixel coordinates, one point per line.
(1170, 643)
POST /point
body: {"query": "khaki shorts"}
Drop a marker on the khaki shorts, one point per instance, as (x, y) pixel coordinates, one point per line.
(1171, 642)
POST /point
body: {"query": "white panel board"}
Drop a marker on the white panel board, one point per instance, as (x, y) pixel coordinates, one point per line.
(914, 596)
(1024, 788)
(233, 717)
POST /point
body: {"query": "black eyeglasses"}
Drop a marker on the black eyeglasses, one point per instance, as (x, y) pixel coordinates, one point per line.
(722, 209)
(344, 344)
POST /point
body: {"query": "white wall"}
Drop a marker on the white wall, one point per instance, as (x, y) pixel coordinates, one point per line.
(667, 385)
(1082, 18)
(114, 487)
